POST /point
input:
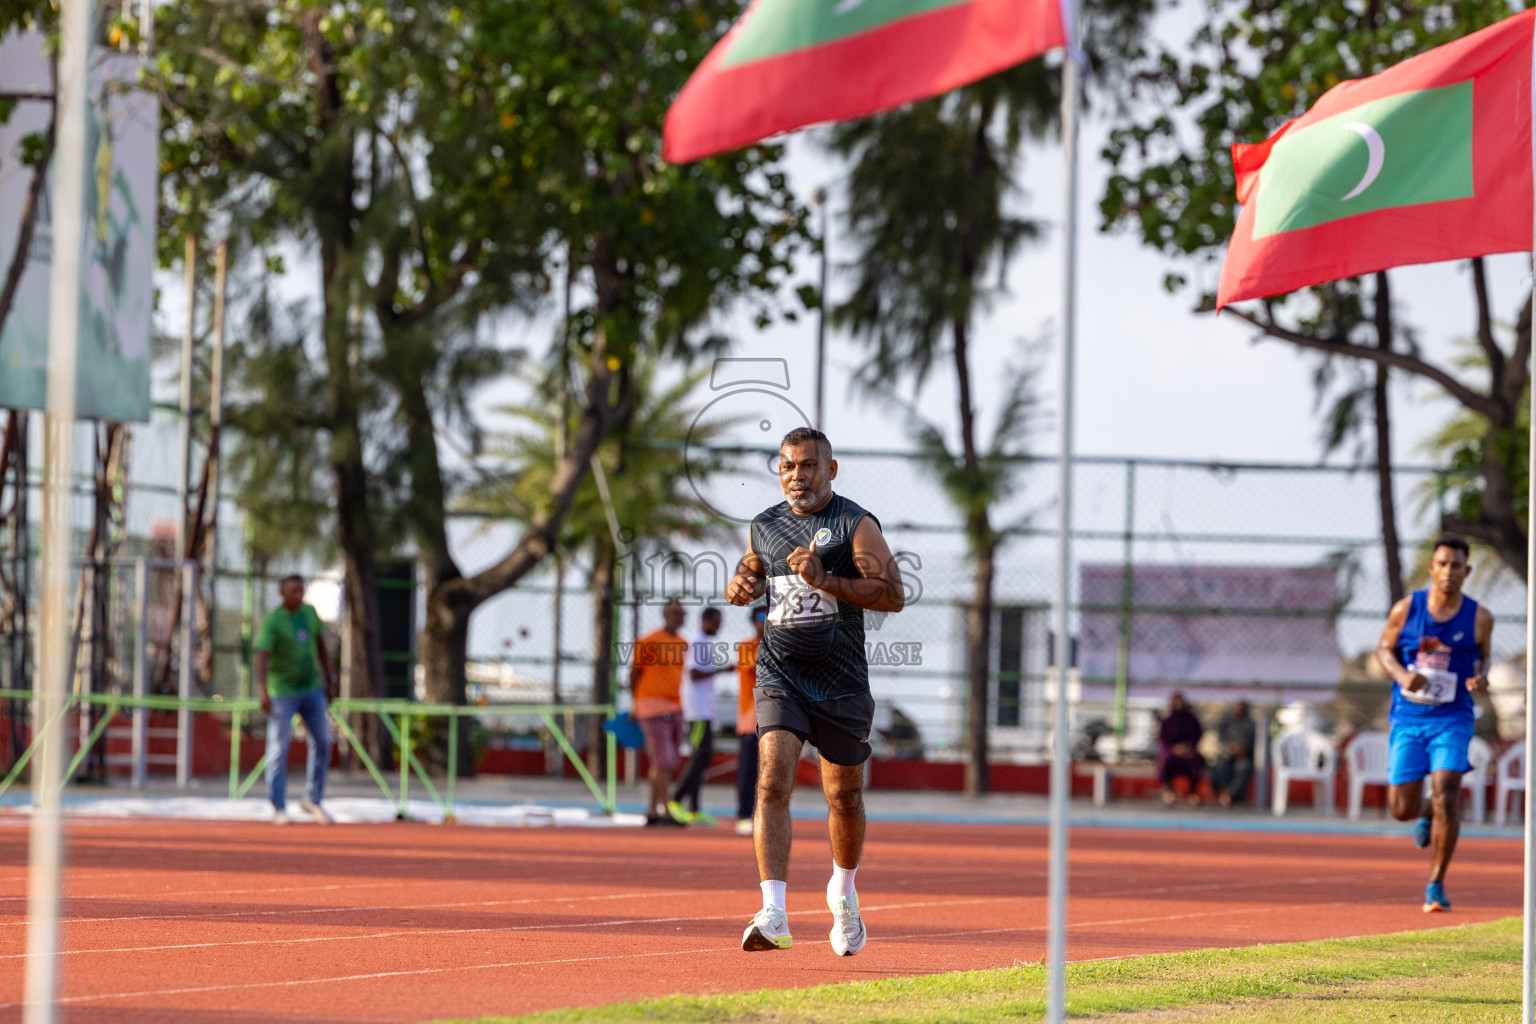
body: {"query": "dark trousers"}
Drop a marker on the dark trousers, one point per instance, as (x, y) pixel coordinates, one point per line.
(746, 775)
(701, 737)
(1231, 776)
(1190, 767)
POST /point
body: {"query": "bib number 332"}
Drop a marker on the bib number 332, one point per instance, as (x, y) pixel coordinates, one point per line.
(793, 603)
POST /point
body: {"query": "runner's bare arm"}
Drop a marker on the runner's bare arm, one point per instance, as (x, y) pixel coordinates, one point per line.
(749, 583)
(1483, 634)
(1386, 648)
(878, 589)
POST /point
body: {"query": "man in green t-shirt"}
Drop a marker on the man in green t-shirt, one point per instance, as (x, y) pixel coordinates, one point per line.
(291, 662)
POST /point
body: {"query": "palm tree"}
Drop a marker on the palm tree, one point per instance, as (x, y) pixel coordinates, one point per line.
(652, 499)
(928, 200)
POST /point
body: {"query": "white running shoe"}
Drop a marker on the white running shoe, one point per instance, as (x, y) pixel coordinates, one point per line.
(279, 817)
(848, 935)
(768, 930)
(744, 827)
(315, 811)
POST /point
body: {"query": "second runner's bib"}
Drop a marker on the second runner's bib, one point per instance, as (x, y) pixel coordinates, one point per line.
(1439, 688)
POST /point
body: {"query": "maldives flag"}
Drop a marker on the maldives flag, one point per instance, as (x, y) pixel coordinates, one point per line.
(790, 63)
(1427, 161)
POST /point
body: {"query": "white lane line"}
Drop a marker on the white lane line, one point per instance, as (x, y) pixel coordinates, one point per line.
(425, 932)
(624, 922)
(423, 971)
(161, 993)
(134, 897)
(298, 911)
(372, 908)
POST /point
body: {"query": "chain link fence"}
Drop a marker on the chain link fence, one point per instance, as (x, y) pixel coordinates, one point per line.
(1223, 580)
(1265, 582)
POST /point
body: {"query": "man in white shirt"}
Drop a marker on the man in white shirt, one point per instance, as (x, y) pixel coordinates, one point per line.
(698, 694)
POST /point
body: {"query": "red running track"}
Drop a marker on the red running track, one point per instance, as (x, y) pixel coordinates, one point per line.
(179, 921)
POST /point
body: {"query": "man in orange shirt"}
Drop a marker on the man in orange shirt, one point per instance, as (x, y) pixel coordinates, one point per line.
(746, 726)
(656, 680)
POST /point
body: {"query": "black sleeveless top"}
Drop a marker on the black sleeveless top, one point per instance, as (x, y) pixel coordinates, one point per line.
(813, 644)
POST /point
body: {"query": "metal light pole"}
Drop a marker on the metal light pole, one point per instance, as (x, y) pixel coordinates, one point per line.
(184, 477)
(1061, 760)
(820, 199)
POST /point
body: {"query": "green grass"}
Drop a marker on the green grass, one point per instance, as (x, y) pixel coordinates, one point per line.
(1465, 974)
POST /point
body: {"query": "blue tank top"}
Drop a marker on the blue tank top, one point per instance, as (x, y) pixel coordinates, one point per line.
(1449, 646)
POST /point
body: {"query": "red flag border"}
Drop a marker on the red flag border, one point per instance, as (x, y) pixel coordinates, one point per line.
(893, 64)
(1447, 230)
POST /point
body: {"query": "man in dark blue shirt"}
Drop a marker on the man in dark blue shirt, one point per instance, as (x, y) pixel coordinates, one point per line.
(1435, 647)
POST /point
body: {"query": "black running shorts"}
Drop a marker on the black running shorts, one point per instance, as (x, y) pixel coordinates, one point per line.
(839, 728)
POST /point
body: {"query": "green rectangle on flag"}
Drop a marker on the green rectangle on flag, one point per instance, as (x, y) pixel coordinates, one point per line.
(1403, 150)
(783, 26)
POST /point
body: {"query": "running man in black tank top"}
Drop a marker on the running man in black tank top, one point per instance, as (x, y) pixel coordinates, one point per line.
(821, 560)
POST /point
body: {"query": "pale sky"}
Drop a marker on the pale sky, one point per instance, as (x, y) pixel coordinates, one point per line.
(1154, 378)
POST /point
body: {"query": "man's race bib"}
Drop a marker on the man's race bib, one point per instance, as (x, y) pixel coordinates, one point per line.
(793, 603)
(1439, 686)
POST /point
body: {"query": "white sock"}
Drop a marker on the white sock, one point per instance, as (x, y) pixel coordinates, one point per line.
(773, 894)
(841, 884)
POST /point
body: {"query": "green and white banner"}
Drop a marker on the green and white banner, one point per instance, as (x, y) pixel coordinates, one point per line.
(117, 294)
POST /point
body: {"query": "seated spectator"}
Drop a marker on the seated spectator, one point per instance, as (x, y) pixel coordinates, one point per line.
(1177, 757)
(1234, 765)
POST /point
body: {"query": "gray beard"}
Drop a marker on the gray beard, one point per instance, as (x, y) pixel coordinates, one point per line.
(811, 499)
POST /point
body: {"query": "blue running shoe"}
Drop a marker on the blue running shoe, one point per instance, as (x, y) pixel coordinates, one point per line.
(1421, 833)
(1435, 899)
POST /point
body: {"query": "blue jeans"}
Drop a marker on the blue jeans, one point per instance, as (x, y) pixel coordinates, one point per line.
(311, 707)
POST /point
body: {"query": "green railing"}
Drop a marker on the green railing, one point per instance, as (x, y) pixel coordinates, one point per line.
(395, 715)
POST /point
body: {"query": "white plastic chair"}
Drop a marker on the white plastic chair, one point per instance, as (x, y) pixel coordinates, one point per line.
(1480, 756)
(1304, 756)
(1367, 757)
(1508, 779)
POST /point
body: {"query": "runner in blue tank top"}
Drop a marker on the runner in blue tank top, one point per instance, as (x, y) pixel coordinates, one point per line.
(1435, 647)
(822, 561)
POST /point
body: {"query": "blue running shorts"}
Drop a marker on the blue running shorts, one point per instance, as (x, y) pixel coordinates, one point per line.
(1430, 745)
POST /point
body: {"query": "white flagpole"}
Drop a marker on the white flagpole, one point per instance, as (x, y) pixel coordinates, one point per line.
(1061, 760)
(47, 844)
(1528, 912)
(1528, 918)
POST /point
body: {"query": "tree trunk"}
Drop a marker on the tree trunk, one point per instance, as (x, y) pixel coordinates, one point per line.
(452, 598)
(334, 213)
(1385, 499)
(983, 546)
(978, 643)
(442, 650)
(602, 582)
(355, 533)
(29, 210)
(446, 629)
